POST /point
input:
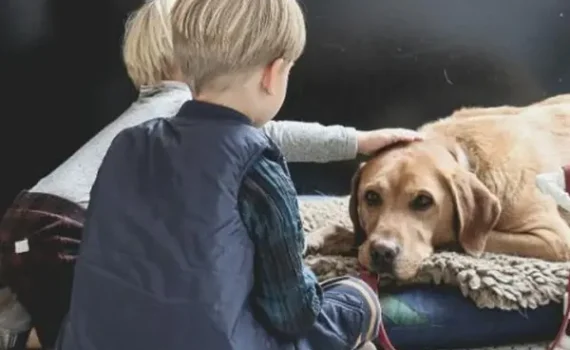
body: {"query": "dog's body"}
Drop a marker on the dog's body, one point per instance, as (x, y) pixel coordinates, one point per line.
(472, 182)
(506, 152)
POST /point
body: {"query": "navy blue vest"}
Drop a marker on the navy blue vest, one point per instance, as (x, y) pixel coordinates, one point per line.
(165, 262)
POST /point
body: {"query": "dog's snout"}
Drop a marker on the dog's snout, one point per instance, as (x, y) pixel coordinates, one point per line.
(383, 253)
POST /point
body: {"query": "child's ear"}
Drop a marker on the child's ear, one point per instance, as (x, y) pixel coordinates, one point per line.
(270, 78)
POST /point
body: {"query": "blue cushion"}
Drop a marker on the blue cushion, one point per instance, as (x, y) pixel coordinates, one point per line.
(440, 317)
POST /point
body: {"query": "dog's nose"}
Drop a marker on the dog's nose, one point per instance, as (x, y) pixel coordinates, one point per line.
(383, 253)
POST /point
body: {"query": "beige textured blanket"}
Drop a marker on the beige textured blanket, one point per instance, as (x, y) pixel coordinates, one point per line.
(492, 281)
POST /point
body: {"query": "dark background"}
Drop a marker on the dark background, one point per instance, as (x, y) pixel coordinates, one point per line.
(368, 63)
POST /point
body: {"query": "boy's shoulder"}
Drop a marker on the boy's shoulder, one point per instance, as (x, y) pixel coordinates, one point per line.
(143, 129)
(133, 139)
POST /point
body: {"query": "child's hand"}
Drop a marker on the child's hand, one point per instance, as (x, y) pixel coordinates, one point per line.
(374, 140)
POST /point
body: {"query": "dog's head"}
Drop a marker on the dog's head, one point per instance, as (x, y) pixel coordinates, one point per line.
(413, 198)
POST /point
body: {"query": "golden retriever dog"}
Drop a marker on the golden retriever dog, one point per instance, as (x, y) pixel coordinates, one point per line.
(470, 183)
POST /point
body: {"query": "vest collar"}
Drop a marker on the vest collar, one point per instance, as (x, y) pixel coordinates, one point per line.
(204, 110)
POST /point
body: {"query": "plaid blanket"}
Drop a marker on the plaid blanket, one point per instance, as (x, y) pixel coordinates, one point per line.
(39, 240)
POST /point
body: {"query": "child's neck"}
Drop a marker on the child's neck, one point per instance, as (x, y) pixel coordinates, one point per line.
(237, 99)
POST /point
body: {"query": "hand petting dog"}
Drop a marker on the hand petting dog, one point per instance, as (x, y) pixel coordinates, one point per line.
(372, 141)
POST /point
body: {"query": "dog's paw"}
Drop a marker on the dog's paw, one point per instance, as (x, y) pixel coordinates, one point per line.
(314, 242)
(330, 240)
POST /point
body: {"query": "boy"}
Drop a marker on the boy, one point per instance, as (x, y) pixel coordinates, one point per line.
(193, 237)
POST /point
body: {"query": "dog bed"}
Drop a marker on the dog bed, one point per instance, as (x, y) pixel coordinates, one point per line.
(456, 301)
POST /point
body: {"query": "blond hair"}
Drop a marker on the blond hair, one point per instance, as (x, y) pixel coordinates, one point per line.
(216, 39)
(147, 44)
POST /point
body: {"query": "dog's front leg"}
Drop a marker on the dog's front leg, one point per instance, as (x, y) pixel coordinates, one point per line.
(330, 240)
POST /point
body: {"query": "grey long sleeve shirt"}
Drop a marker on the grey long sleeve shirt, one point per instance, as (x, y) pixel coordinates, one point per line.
(299, 142)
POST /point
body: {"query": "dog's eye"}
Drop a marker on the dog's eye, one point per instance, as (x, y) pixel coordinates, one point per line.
(372, 198)
(421, 202)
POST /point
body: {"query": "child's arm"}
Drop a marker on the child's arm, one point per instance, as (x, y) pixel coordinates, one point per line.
(286, 294)
(313, 142)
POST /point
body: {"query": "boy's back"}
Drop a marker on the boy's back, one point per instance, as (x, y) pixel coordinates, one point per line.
(176, 252)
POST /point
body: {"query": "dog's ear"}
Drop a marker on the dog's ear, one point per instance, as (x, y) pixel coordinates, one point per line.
(359, 234)
(477, 211)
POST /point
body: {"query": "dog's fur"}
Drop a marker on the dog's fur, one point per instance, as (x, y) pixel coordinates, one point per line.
(478, 167)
